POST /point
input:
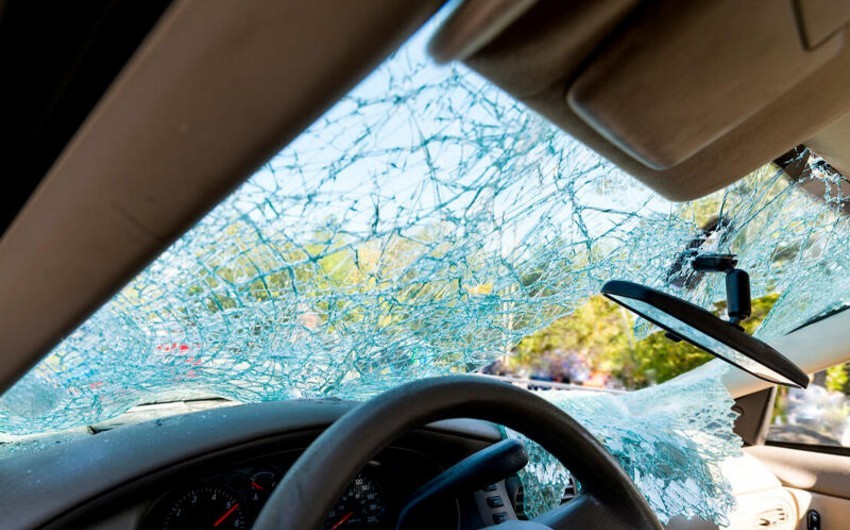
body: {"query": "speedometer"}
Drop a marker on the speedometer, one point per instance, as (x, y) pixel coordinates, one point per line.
(360, 507)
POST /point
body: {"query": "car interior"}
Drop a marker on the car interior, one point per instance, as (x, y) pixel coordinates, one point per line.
(126, 122)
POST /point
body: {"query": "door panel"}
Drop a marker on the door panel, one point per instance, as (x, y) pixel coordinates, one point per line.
(813, 471)
(816, 480)
(834, 511)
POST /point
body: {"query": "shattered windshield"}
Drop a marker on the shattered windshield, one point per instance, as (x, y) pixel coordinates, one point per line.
(428, 224)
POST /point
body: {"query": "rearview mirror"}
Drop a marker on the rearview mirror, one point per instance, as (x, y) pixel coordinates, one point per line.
(706, 331)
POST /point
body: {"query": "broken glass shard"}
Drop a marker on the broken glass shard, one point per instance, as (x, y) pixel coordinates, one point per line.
(671, 439)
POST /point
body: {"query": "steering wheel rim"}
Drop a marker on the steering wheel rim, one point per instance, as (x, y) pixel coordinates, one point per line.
(306, 494)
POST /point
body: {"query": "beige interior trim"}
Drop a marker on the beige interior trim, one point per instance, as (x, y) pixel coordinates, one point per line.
(816, 481)
(759, 495)
(217, 88)
(833, 144)
(757, 492)
(472, 25)
(807, 470)
(834, 511)
(649, 90)
(820, 19)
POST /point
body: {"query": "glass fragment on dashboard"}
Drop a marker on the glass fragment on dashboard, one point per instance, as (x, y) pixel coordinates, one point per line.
(671, 440)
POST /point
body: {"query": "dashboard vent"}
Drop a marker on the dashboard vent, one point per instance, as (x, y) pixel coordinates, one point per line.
(772, 517)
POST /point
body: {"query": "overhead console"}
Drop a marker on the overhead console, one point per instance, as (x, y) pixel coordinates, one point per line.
(686, 96)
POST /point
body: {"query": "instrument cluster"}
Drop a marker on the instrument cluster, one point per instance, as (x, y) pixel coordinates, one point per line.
(233, 498)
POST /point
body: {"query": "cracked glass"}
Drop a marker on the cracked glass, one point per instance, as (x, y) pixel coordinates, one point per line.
(671, 440)
(425, 226)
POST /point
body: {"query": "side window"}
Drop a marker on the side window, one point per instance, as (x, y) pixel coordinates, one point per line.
(817, 415)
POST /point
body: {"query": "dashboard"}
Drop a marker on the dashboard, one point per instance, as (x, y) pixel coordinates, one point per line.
(216, 469)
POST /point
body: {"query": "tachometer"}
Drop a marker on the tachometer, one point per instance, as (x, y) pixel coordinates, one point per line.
(207, 507)
(360, 507)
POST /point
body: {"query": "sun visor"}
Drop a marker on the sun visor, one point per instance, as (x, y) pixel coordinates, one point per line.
(684, 74)
(687, 97)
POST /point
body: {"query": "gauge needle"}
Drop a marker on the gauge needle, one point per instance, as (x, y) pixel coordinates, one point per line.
(339, 523)
(257, 486)
(226, 515)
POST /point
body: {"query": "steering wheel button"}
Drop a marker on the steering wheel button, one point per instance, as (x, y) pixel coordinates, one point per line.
(495, 502)
(491, 487)
(500, 517)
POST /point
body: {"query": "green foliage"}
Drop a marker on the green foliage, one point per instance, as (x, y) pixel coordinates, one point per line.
(836, 378)
(593, 331)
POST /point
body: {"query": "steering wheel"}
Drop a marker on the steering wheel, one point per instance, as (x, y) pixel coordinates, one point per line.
(310, 488)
